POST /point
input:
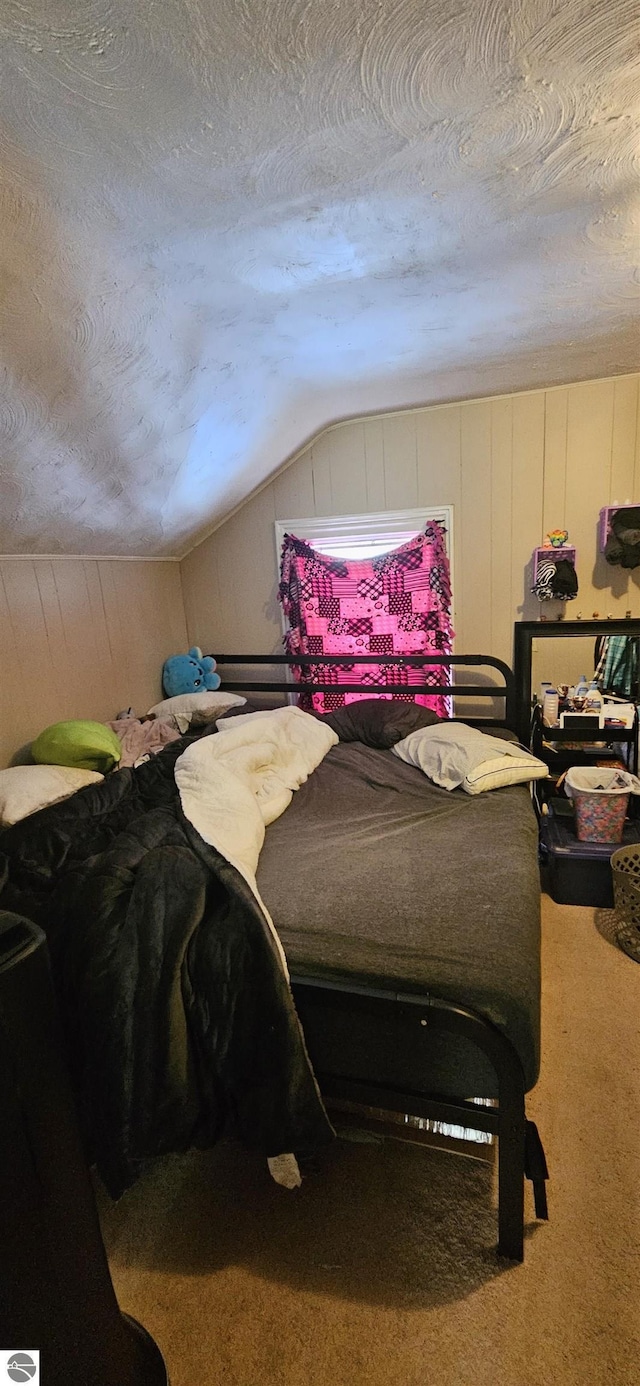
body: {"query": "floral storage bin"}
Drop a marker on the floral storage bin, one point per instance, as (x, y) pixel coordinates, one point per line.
(600, 799)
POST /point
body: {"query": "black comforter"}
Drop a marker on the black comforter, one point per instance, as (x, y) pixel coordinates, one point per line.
(177, 1013)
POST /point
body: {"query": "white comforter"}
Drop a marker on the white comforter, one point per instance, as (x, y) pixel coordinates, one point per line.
(233, 784)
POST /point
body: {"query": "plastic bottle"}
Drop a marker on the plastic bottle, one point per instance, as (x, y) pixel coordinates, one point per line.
(582, 688)
(594, 701)
(550, 707)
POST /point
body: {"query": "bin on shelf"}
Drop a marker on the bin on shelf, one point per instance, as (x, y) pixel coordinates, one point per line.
(600, 798)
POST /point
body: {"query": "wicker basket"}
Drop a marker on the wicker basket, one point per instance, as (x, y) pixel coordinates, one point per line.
(625, 865)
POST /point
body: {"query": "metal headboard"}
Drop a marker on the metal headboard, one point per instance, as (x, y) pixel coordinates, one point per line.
(505, 690)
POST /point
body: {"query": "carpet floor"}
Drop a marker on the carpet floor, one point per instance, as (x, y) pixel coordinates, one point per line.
(380, 1270)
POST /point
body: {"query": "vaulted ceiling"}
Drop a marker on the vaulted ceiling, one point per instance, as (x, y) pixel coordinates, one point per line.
(226, 223)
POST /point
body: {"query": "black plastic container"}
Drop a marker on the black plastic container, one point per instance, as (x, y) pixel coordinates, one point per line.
(579, 873)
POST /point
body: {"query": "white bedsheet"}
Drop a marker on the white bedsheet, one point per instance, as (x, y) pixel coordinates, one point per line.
(233, 784)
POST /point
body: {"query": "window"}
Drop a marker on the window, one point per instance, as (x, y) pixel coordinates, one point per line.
(365, 536)
(392, 599)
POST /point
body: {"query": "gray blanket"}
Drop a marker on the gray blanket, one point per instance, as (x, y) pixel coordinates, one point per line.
(376, 875)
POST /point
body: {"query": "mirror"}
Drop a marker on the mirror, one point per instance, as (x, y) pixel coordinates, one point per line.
(561, 659)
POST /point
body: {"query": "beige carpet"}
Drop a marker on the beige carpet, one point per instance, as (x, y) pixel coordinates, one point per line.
(380, 1270)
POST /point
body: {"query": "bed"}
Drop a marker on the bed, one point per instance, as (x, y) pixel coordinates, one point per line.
(418, 986)
(420, 995)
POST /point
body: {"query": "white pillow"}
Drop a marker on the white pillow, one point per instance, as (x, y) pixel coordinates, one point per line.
(453, 754)
(196, 708)
(26, 788)
(504, 770)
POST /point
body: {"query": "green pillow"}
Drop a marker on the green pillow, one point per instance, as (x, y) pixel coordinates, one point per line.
(84, 745)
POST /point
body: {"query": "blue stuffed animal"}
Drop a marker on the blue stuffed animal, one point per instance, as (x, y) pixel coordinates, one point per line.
(190, 673)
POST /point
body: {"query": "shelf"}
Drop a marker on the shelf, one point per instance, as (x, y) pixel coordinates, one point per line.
(547, 554)
(619, 734)
(605, 521)
(561, 747)
(601, 626)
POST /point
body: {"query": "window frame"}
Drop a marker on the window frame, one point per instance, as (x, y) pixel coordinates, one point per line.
(403, 524)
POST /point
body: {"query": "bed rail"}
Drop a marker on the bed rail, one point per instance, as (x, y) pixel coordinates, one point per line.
(506, 690)
(520, 1152)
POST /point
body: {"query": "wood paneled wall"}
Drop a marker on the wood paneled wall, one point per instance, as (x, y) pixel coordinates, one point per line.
(512, 467)
(82, 638)
(86, 637)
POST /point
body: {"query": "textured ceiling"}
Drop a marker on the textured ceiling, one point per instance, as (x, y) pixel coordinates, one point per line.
(225, 223)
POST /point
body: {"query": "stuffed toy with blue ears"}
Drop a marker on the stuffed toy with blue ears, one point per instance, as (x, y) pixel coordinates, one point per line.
(189, 673)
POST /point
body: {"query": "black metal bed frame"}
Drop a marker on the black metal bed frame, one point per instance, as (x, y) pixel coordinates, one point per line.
(506, 690)
(381, 1017)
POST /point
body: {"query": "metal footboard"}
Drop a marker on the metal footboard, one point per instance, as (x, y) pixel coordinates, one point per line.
(520, 1152)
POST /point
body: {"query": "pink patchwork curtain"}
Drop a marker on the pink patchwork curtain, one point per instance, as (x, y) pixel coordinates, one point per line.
(397, 603)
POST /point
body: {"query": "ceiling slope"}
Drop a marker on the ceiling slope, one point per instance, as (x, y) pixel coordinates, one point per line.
(225, 225)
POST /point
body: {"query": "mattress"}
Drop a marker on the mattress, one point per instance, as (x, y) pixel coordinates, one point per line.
(375, 876)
